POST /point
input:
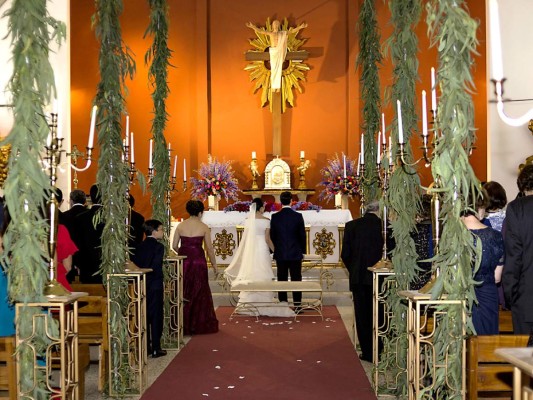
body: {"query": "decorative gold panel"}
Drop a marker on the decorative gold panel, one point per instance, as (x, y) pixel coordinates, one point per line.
(224, 244)
(324, 244)
(4, 158)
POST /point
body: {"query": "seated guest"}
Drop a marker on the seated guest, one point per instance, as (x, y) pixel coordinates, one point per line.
(496, 208)
(485, 316)
(136, 221)
(150, 254)
(423, 239)
(88, 238)
(7, 309)
(78, 201)
(64, 252)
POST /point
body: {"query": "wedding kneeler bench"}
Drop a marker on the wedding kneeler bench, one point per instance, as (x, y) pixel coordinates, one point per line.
(311, 306)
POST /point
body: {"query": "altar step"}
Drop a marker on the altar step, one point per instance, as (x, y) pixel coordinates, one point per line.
(336, 293)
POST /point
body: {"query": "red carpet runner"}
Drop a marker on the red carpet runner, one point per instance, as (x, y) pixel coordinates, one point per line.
(272, 359)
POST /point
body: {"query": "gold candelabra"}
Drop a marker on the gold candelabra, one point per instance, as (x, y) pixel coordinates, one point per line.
(304, 164)
(254, 168)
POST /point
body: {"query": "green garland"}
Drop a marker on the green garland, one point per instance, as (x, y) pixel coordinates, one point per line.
(159, 55)
(31, 29)
(403, 195)
(453, 31)
(112, 178)
(368, 60)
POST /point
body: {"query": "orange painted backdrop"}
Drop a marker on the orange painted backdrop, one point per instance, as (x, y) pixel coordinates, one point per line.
(212, 106)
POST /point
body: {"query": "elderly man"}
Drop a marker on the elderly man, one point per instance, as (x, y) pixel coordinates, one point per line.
(517, 279)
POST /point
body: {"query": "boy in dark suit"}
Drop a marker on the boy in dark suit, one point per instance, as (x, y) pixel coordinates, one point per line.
(150, 254)
(287, 231)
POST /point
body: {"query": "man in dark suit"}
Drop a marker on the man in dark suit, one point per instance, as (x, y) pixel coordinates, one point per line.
(88, 238)
(150, 254)
(517, 278)
(287, 231)
(362, 248)
(136, 221)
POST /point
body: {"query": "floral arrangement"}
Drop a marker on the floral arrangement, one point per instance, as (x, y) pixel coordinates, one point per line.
(215, 179)
(244, 206)
(335, 181)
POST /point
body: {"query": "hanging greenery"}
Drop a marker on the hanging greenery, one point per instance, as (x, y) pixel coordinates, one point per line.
(368, 60)
(453, 32)
(112, 178)
(31, 29)
(159, 55)
(403, 194)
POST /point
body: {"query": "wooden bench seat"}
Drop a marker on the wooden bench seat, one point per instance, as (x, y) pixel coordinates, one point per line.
(314, 304)
(487, 373)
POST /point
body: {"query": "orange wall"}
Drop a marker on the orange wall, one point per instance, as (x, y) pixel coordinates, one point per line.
(212, 106)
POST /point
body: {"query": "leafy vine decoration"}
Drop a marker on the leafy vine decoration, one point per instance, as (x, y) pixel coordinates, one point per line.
(368, 60)
(32, 87)
(453, 31)
(403, 194)
(112, 178)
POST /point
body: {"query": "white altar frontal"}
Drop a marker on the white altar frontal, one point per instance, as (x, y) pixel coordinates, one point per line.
(324, 230)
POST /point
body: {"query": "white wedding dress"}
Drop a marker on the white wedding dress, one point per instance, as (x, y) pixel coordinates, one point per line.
(253, 263)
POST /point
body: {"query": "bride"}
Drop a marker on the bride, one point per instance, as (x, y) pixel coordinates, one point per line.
(252, 263)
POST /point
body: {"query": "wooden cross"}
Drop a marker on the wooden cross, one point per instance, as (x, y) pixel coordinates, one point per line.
(276, 96)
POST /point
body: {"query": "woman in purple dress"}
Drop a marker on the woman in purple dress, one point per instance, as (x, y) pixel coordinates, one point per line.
(198, 310)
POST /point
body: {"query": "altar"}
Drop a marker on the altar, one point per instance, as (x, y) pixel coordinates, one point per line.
(324, 232)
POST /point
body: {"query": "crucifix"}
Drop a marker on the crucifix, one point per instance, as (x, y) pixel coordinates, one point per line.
(277, 71)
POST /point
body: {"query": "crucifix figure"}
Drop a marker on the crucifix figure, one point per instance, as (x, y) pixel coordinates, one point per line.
(272, 69)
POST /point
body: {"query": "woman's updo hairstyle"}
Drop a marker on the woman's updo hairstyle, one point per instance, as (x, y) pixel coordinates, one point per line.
(194, 207)
(258, 203)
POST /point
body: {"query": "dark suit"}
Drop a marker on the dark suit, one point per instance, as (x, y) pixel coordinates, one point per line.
(136, 230)
(88, 238)
(149, 254)
(362, 248)
(69, 220)
(287, 231)
(517, 278)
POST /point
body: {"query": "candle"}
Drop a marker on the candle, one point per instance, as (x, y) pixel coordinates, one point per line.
(302, 154)
(495, 41)
(400, 127)
(362, 148)
(150, 161)
(211, 201)
(358, 163)
(175, 166)
(344, 163)
(127, 129)
(424, 115)
(383, 127)
(132, 150)
(433, 91)
(338, 200)
(91, 130)
(184, 170)
(379, 149)
(254, 155)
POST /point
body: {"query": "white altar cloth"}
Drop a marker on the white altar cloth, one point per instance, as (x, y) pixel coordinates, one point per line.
(319, 223)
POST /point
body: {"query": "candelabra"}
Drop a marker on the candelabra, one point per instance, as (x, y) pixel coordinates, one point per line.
(170, 188)
(254, 168)
(427, 148)
(304, 164)
(53, 157)
(75, 153)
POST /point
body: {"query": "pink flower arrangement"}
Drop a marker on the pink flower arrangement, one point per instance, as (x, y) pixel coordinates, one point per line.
(215, 179)
(334, 181)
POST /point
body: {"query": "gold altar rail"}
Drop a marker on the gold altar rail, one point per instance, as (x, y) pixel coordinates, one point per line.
(131, 373)
(172, 337)
(60, 352)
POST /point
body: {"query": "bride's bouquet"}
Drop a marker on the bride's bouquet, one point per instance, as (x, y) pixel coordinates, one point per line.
(339, 176)
(215, 179)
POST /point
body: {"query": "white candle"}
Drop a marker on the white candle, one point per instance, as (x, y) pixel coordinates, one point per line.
(400, 127)
(383, 127)
(358, 163)
(433, 91)
(495, 41)
(344, 165)
(175, 166)
(91, 130)
(211, 201)
(254, 155)
(132, 149)
(184, 170)
(362, 148)
(302, 154)
(379, 149)
(150, 160)
(424, 115)
(338, 200)
(127, 129)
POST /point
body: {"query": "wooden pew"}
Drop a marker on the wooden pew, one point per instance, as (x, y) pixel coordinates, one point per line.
(8, 370)
(488, 374)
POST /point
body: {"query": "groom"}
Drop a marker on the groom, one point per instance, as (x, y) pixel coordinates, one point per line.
(287, 231)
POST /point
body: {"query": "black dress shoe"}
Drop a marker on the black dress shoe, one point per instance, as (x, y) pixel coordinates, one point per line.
(159, 353)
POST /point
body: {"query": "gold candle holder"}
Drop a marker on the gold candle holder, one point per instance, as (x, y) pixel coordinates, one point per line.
(254, 168)
(304, 164)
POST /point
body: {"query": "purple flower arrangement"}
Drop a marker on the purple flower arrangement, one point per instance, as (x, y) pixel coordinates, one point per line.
(244, 206)
(215, 179)
(334, 180)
